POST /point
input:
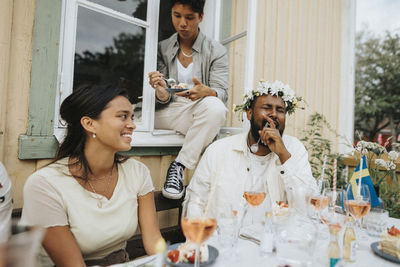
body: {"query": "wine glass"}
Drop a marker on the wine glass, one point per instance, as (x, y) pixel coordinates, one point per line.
(319, 200)
(255, 193)
(197, 223)
(357, 202)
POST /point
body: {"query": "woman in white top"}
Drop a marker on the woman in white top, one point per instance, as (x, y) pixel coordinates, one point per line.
(91, 199)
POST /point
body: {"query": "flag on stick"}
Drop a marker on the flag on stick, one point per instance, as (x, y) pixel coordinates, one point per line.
(365, 179)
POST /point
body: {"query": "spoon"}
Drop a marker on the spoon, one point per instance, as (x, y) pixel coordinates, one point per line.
(170, 82)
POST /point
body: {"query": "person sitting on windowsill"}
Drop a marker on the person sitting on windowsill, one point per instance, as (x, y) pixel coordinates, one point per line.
(201, 63)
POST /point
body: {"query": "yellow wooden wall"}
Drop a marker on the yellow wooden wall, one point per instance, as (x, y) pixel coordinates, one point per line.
(300, 43)
(16, 31)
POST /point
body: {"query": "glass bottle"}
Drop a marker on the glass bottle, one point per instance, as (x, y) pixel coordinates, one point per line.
(349, 241)
(267, 237)
(333, 248)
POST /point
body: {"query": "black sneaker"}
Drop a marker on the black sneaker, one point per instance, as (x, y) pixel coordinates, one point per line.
(173, 187)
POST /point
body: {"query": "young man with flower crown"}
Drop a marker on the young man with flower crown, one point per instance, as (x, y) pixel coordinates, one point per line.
(263, 154)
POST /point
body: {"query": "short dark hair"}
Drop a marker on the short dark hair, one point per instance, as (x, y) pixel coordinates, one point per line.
(196, 5)
(87, 100)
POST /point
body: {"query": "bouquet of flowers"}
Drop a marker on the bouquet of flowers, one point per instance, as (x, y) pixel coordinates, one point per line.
(381, 163)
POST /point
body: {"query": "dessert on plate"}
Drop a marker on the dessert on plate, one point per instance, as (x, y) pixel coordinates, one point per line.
(185, 253)
(280, 209)
(180, 86)
(390, 242)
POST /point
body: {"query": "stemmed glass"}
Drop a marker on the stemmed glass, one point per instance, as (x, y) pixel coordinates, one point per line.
(357, 204)
(255, 194)
(197, 223)
(320, 199)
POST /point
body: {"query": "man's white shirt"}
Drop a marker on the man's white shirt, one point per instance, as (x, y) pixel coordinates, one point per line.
(227, 166)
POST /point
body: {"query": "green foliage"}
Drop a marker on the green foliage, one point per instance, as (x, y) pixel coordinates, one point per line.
(318, 146)
(389, 193)
(377, 84)
(382, 169)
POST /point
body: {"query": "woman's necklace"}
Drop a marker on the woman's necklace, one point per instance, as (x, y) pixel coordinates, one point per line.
(99, 199)
(185, 55)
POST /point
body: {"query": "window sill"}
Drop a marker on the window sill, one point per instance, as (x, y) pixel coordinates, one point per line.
(158, 143)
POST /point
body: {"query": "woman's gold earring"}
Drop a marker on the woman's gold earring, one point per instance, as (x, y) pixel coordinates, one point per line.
(93, 135)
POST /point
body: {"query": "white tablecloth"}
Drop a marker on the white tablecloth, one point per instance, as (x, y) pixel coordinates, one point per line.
(248, 254)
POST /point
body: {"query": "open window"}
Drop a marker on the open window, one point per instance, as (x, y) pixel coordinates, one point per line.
(108, 42)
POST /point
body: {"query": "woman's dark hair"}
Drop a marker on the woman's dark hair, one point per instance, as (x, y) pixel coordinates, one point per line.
(88, 100)
(196, 5)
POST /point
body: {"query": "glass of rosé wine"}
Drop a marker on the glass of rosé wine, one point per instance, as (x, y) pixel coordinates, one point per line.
(255, 193)
(357, 202)
(197, 223)
(320, 200)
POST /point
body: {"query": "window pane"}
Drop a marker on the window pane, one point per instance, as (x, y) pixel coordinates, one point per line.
(109, 51)
(165, 26)
(135, 8)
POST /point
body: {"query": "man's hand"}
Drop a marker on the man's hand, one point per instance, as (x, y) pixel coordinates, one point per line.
(198, 91)
(157, 82)
(271, 137)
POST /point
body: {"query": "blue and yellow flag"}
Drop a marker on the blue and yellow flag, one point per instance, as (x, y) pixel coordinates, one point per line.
(365, 179)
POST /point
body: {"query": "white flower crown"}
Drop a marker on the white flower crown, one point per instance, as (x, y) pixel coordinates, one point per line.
(276, 88)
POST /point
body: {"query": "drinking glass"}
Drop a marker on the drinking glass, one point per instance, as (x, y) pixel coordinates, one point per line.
(228, 227)
(295, 240)
(197, 223)
(358, 204)
(376, 221)
(255, 194)
(24, 245)
(334, 219)
(319, 200)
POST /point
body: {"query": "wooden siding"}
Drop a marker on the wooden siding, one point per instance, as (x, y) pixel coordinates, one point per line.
(18, 17)
(300, 43)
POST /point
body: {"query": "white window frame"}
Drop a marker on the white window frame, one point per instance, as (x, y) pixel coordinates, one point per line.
(145, 134)
(67, 51)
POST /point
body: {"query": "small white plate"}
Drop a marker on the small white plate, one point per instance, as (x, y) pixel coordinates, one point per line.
(212, 255)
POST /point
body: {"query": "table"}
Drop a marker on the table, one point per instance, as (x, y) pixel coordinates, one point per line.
(248, 254)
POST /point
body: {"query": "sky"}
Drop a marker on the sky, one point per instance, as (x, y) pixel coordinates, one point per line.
(379, 15)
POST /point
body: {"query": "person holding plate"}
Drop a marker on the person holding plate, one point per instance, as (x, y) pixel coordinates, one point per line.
(200, 63)
(91, 199)
(263, 156)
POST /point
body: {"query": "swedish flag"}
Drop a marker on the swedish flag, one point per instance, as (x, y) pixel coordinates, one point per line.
(365, 179)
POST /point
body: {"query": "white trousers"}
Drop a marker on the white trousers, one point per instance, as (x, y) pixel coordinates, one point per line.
(199, 121)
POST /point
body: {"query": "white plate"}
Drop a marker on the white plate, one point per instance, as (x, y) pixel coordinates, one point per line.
(212, 255)
(176, 90)
(375, 247)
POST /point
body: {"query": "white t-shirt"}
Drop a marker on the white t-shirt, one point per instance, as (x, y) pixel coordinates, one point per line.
(5, 204)
(52, 197)
(185, 75)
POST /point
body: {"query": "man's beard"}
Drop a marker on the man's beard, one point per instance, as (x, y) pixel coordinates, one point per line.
(254, 128)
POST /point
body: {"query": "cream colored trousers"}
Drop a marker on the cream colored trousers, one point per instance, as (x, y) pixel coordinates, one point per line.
(198, 120)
